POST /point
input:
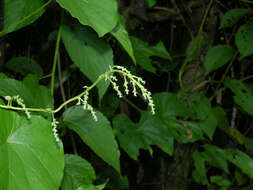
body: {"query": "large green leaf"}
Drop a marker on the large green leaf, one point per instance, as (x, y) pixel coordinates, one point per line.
(243, 95)
(24, 65)
(218, 56)
(97, 135)
(29, 156)
(77, 172)
(19, 13)
(232, 17)
(92, 55)
(133, 137)
(143, 52)
(101, 15)
(33, 94)
(244, 40)
(120, 33)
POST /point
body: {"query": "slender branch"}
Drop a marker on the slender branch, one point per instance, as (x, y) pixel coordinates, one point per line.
(186, 61)
(224, 75)
(56, 55)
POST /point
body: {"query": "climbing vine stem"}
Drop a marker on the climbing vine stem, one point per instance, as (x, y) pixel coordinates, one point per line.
(136, 82)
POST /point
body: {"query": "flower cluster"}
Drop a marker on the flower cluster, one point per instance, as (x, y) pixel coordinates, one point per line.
(54, 128)
(20, 102)
(136, 83)
(86, 106)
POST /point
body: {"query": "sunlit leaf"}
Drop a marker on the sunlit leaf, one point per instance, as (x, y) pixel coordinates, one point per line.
(101, 15)
(97, 135)
(30, 158)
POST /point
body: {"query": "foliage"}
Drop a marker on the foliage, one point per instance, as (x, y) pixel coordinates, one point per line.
(73, 124)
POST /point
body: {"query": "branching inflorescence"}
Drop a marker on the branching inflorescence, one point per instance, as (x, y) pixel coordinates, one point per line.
(136, 83)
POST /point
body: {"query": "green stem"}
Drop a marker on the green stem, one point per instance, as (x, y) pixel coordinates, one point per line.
(205, 17)
(48, 110)
(224, 76)
(247, 1)
(246, 78)
(186, 61)
(63, 104)
(4, 31)
(56, 55)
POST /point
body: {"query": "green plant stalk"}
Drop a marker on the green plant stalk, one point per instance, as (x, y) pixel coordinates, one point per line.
(48, 110)
(186, 61)
(247, 1)
(25, 18)
(56, 53)
(224, 76)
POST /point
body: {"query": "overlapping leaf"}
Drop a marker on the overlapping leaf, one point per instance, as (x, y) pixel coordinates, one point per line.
(91, 54)
(133, 137)
(143, 52)
(39, 98)
(243, 96)
(77, 172)
(24, 65)
(120, 33)
(97, 135)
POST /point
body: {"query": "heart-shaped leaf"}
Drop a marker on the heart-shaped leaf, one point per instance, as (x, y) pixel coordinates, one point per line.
(29, 156)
